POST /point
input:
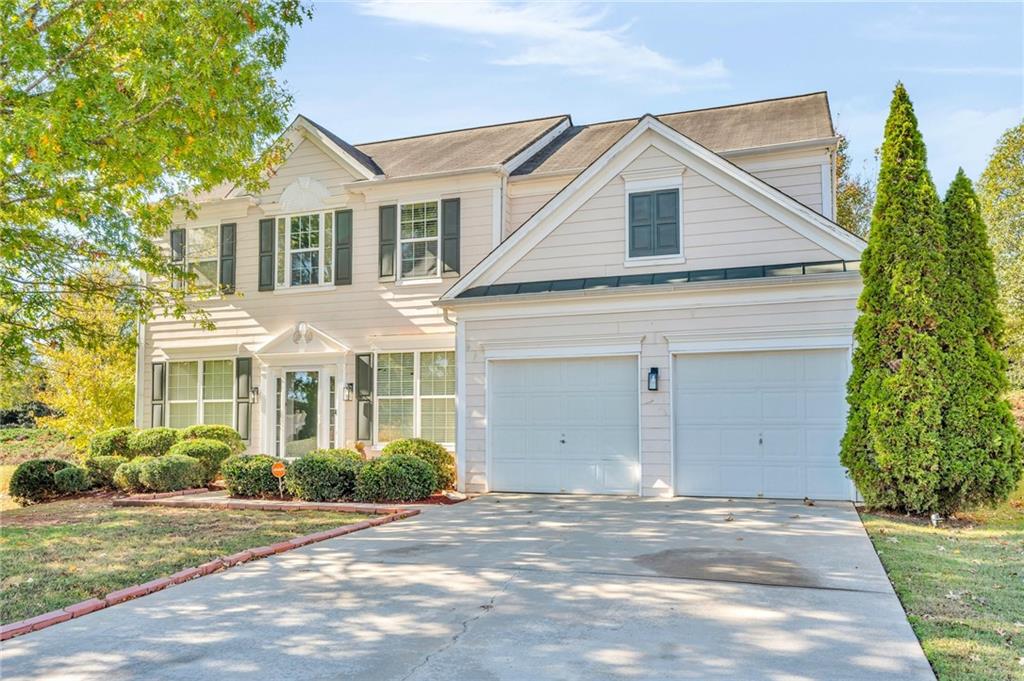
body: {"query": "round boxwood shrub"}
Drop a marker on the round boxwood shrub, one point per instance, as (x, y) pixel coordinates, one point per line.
(112, 442)
(225, 434)
(431, 452)
(210, 453)
(171, 472)
(32, 481)
(126, 477)
(152, 441)
(102, 468)
(248, 475)
(325, 475)
(395, 477)
(71, 480)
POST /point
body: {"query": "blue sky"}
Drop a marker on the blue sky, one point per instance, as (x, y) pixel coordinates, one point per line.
(375, 70)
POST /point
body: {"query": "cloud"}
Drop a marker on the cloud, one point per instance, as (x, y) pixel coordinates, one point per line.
(568, 36)
(1016, 71)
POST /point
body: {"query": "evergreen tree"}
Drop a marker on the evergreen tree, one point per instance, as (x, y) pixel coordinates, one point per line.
(897, 392)
(982, 461)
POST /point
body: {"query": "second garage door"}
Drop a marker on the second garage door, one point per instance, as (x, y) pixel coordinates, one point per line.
(564, 425)
(761, 424)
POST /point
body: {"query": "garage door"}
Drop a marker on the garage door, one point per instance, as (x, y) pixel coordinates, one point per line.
(767, 424)
(564, 425)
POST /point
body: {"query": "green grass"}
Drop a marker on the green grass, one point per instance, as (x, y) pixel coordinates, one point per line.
(22, 444)
(56, 554)
(962, 585)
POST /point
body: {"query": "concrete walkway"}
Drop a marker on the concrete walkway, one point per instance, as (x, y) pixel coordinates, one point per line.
(521, 588)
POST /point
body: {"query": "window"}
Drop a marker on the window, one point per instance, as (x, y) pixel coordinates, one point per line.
(416, 396)
(201, 254)
(653, 224)
(200, 392)
(304, 250)
(419, 237)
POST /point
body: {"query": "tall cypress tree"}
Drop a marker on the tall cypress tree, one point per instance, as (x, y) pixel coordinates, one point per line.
(897, 392)
(982, 461)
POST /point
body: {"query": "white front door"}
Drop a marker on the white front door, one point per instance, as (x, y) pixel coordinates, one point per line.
(564, 425)
(751, 424)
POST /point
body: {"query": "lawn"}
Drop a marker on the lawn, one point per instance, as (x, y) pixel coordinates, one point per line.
(21, 444)
(53, 555)
(962, 585)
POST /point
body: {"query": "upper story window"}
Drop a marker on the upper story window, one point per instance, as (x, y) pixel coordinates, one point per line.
(202, 255)
(654, 224)
(420, 239)
(304, 250)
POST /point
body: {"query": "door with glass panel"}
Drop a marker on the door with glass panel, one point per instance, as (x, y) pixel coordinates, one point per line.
(298, 412)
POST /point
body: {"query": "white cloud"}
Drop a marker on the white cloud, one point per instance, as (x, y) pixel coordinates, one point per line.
(966, 70)
(569, 36)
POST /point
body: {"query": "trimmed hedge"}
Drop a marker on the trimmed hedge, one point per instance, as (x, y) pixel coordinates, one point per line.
(431, 452)
(112, 442)
(210, 454)
(102, 468)
(395, 477)
(325, 475)
(71, 480)
(126, 477)
(225, 434)
(32, 481)
(152, 441)
(171, 472)
(248, 475)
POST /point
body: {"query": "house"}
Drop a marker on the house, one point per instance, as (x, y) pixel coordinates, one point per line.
(657, 306)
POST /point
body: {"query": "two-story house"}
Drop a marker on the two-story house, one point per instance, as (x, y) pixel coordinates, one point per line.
(660, 305)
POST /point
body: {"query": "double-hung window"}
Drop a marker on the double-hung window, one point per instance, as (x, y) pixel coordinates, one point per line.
(201, 391)
(416, 396)
(305, 250)
(202, 245)
(420, 239)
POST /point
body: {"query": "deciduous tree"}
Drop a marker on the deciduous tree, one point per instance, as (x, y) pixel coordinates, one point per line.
(854, 194)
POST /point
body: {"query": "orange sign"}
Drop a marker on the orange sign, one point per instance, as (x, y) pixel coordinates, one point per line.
(278, 469)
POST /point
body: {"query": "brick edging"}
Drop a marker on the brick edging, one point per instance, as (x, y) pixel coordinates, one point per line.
(165, 495)
(229, 504)
(85, 607)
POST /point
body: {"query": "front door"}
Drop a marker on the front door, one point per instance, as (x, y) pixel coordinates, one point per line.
(299, 412)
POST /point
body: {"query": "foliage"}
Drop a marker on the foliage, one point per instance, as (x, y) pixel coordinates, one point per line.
(111, 442)
(171, 472)
(210, 454)
(71, 480)
(152, 441)
(395, 477)
(128, 476)
(33, 481)
(249, 475)
(20, 380)
(113, 115)
(854, 194)
(431, 452)
(897, 392)
(1001, 192)
(102, 469)
(225, 434)
(325, 475)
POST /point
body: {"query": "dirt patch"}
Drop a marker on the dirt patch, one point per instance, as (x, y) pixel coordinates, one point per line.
(727, 565)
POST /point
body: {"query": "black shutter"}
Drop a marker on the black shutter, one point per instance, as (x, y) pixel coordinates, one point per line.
(157, 390)
(450, 219)
(388, 240)
(227, 257)
(243, 384)
(343, 247)
(666, 222)
(178, 255)
(266, 268)
(364, 397)
(641, 225)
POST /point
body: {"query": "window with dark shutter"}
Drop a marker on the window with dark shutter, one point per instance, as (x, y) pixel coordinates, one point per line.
(243, 386)
(343, 247)
(157, 391)
(364, 397)
(388, 240)
(266, 253)
(178, 255)
(227, 257)
(450, 228)
(654, 223)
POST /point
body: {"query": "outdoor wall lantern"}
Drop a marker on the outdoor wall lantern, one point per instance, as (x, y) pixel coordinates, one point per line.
(346, 392)
(652, 379)
(254, 394)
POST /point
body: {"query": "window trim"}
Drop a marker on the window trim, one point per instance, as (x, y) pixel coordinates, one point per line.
(429, 278)
(199, 390)
(655, 184)
(284, 283)
(417, 397)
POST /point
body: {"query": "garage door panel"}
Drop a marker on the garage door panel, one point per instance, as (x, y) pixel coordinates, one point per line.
(786, 443)
(784, 481)
(739, 442)
(785, 405)
(823, 405)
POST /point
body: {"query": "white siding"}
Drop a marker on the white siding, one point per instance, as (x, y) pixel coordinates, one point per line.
(797, 173)
(526, 195)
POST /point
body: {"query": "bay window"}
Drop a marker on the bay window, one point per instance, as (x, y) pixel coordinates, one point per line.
(419, 239)
(305, 250)
(416, 396)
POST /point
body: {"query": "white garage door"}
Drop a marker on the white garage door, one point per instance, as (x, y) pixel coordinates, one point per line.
(564, 425)
(766, 424)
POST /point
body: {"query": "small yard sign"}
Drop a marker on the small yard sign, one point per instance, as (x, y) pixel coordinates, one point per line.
(278, 469)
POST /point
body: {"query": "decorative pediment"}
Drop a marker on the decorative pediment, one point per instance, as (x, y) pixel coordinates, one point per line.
(300, 341)
(305, 194)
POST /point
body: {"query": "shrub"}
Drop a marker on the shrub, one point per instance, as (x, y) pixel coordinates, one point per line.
(126, 477)
(102, 468)
(431, 452)
(32, 481)
(395, 477)
(210, 453)
(325, 475)
(152, 441)
(249, 475)
(171, 472)
(225, 434)
(112, 442)
(71, 480)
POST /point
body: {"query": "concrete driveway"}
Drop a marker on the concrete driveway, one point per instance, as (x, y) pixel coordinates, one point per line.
(526, 588)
